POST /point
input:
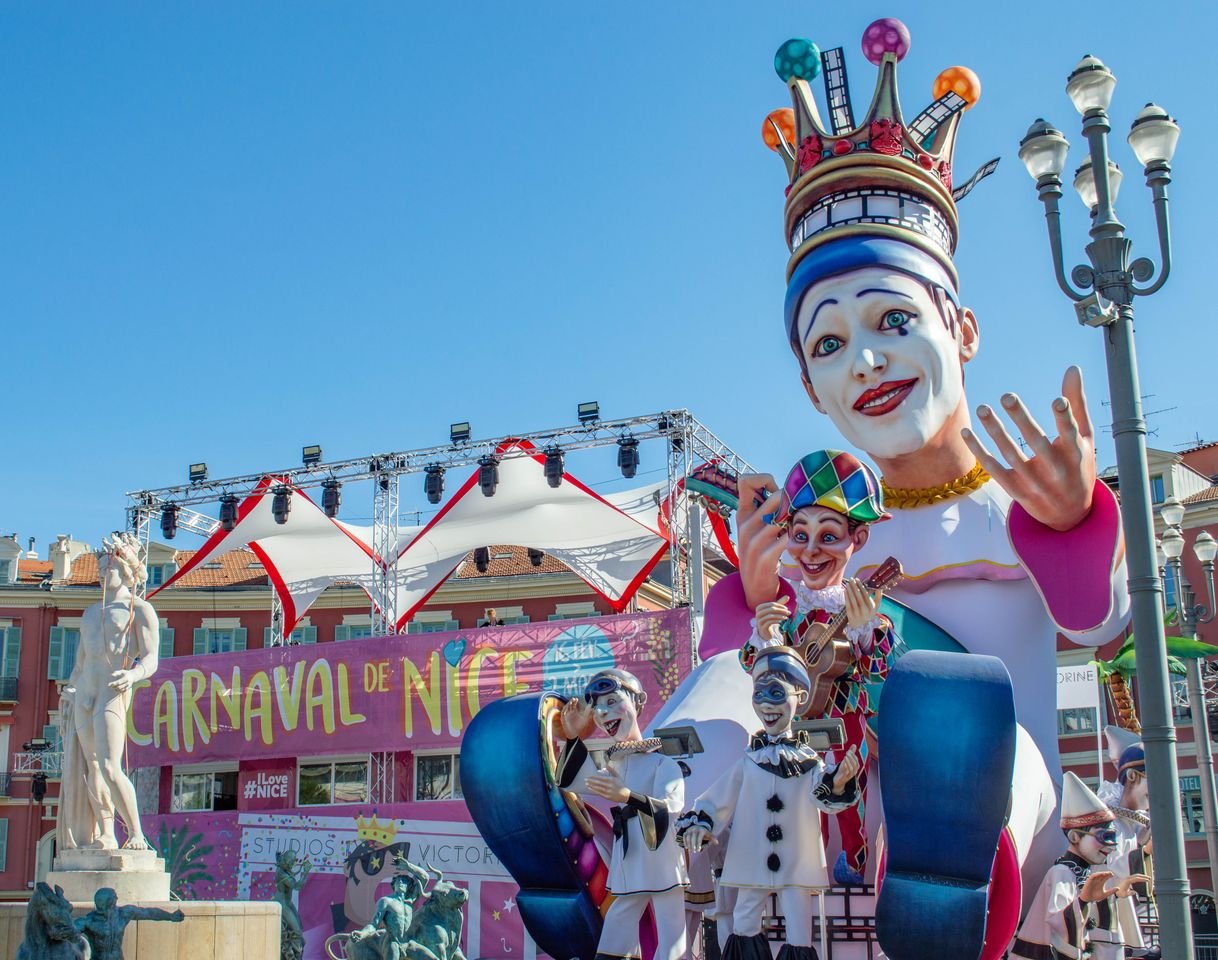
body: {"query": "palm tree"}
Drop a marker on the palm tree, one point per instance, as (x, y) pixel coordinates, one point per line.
(1117, 672)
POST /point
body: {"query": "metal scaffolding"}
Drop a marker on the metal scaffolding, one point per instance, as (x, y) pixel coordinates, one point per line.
(689, 443)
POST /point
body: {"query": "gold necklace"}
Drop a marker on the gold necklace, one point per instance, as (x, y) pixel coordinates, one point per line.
(906, 498)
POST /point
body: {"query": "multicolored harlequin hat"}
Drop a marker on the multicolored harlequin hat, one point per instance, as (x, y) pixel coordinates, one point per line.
(837, 480)
(872, 192)
(1081, 808)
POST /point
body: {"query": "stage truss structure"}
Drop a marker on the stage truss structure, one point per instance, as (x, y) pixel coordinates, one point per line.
(689, 444)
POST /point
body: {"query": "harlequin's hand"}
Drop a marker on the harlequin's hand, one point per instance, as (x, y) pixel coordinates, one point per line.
(861, 606)
(576, 720)
(1126, 885)
(1094, 887)
(608, 783)
(770, 618)
(758, 544)
(846, 770)
(1056, 483)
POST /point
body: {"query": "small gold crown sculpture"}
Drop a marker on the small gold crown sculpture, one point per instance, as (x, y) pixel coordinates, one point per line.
(878, 177)
(374, 830)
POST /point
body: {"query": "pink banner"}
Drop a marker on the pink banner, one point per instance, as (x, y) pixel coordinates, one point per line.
(403, 692)
(271, 714)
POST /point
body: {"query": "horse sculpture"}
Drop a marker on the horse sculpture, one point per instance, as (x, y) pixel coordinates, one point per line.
(49, 931)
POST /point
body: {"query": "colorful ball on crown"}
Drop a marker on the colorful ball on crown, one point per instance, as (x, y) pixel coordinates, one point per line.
(886, 35)
(798, 58)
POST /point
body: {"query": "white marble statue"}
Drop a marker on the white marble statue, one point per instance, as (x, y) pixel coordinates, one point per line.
(118, 648)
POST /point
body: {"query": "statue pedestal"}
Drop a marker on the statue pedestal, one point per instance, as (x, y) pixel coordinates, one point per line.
(211, 930)
(135, 875)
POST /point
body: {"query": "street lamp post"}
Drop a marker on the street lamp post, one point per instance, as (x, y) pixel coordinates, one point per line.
(1113, 277)
(1192, 614)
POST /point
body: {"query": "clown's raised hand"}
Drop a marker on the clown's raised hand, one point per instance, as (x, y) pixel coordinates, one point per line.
(1055, 483)
(846, 770)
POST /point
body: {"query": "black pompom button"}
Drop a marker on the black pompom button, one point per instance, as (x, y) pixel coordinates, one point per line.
(773, 833)
(773, 862)
(774, 804)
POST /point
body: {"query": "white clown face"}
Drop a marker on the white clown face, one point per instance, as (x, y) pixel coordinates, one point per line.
(617, 715)
(776, 702)
(883, 362)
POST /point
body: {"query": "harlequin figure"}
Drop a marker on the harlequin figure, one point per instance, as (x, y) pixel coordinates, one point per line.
(773, 798)
(1074, 908)
(829, 501)
(647, 868)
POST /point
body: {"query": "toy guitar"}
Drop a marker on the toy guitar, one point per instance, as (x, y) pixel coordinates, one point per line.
(829, 657)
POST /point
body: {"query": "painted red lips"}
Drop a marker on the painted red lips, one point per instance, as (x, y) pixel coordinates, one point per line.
(884, 398)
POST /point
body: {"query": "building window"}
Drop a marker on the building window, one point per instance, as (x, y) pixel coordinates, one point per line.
(165, 643)
(337, 781)
(61, 655)
(305, 634)
(6, 571)
(352, 631)
(432, 626)
(1157, 494)
(1076, 721)
(1180, 708)
(219, 640)
(156, 574)
(1169, 586)
(1190, 806)
(573, 611)
(437, 776)
(212, 790)
(10, 655)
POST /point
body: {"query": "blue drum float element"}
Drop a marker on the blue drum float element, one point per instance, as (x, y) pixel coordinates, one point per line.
(541, 834)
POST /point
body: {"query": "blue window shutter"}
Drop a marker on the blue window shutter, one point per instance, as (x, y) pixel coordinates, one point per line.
(54, 655)
(266, 636)
(71, 641)
(12, 651)
(414, 627)
(239, 636)
(165, 644)
(452, 625)
(201, 640)
(3, 843)
(308, 634)
(342, 632)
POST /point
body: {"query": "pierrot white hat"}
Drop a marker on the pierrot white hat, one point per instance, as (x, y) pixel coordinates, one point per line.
(1119, 740)
(1081, 808)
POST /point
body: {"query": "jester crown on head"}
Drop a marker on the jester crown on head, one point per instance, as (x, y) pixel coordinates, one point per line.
(882, 183)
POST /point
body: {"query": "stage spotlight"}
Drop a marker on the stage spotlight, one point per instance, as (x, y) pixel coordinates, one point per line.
(554, 466)
(331, 497)
(482, 559)
(662, 423)
(536, 556)
(628, 456)
(433, 483)
(169, 521)
(281, 504)
(589, 412)
(228, 512)
(310, 455)
(459, 432)
(198, 472)
(488, 475)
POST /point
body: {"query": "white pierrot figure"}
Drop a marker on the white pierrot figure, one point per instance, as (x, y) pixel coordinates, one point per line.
(773, 798)
(647, 790)
(1074, 910)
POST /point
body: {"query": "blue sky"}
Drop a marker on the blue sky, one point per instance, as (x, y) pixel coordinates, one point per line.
(230, 229)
